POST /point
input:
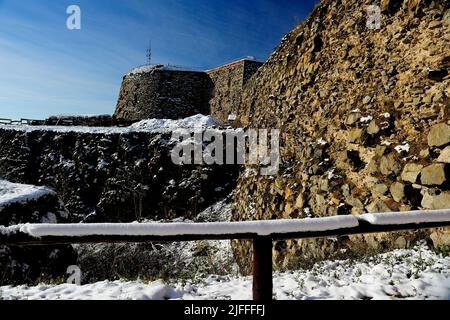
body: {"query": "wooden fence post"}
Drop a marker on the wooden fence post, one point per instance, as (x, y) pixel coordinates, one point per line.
(262, 269)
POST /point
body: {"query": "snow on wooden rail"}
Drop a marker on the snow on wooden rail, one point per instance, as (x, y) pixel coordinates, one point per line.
(260, 228)
(261, 232)
(414, 217)
(36, 234)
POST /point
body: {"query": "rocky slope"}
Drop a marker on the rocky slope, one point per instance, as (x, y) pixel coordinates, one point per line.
(365, 121)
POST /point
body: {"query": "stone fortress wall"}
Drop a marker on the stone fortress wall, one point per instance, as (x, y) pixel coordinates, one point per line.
(365, 120)
(157, 92)
(174, 93)
(228, 85)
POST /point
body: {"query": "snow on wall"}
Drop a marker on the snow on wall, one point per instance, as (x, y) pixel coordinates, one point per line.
(150, 125)
(150, 68)
(197, 121)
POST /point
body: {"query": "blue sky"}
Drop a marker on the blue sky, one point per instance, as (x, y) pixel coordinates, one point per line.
(46, 69)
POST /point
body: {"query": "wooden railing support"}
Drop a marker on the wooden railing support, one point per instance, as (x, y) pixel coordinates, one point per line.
(262, 244)
(262, 269)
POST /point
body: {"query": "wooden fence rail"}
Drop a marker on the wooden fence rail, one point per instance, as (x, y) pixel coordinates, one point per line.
(94, 121)
(262, 233)
(22, 121)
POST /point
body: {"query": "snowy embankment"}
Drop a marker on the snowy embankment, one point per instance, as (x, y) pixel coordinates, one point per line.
(402, 274)
(149, 125)
(198, 121)
(20, 193)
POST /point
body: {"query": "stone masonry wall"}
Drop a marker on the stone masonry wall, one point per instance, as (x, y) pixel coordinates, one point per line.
(154, 92)
(250, 68)
(163, 94)
(112, 177)
(228, 83)
(365, 121)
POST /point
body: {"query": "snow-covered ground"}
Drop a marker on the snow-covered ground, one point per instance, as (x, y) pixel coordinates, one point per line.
(19, 193)
(190, 122)
(402, 274)
(149, 125)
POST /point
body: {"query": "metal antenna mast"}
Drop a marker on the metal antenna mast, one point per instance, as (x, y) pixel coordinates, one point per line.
(149, 53)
